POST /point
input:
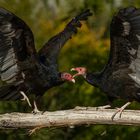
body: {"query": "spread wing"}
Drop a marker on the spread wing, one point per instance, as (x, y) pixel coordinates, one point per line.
(17, 52)
(50, 51)
(125, 42)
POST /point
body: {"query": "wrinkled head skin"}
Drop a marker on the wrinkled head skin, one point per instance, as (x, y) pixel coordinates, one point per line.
(80, 71)
(67, 77)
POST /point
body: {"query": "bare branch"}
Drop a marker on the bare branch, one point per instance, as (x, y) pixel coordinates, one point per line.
(72, 117)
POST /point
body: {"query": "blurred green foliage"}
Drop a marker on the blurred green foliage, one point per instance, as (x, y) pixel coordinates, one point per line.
(89, 48)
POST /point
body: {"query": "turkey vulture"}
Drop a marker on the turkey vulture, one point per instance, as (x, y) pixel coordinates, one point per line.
(23, 71)
(120, 78)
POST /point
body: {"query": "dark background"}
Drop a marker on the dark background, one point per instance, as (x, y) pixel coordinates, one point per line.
(89, 48)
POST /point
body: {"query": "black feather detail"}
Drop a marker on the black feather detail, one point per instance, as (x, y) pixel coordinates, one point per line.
(120, 78)
(52, 48)
(21, 68)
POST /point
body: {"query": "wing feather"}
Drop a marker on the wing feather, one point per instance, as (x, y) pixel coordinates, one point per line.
(125, 42)
(50, 51)
(16, 49)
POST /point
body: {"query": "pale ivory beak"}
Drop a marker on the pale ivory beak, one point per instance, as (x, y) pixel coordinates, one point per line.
(72, 69)
(73, 80)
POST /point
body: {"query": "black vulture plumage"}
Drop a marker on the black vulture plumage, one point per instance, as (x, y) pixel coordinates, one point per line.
(121, 76)
(23, 71)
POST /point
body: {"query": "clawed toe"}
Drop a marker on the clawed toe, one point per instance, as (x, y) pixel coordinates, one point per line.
(35, 110)
(103, 107)
(120, 110)
(30, 132)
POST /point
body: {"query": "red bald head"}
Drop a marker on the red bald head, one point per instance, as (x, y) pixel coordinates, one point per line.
(81, 71)
(67, 77)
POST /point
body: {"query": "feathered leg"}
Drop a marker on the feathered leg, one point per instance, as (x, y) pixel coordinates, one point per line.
(120, 110)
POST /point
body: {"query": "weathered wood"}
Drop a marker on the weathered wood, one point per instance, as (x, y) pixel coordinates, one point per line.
(72, 117)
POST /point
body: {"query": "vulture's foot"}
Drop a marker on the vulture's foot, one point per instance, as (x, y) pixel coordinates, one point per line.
(25, 98)
(34, 130)
(35, 110)
(103, 107)
(120, 110)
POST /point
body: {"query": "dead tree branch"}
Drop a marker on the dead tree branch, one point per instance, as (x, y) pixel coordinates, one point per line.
(72, 117)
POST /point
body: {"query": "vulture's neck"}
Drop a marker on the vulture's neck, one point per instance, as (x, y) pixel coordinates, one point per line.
(94, 79)
(54, 80)
(59, 80)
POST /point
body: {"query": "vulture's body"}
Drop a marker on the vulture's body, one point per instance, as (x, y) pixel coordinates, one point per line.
(121, 76)
(21, 67)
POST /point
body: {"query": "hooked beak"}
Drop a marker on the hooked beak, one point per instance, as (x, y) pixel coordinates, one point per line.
(74, 69)
(73, 80)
